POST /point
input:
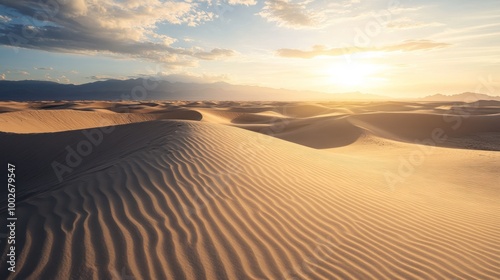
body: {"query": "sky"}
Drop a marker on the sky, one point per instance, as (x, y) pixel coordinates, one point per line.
(398, 48)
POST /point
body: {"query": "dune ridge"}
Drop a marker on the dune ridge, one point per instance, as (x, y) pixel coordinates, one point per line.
(189, 199)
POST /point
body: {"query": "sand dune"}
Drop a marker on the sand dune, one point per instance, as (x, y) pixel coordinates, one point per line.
(409, 127)
(37, 121)
(201, 198)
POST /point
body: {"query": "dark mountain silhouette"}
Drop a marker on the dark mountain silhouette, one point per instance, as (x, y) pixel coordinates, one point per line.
(462, 97)
(150, 89)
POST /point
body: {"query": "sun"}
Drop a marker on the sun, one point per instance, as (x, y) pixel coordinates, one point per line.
(351, 74)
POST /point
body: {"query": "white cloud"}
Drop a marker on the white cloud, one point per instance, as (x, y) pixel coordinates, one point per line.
(406, 46)
(61, 79)
(406, 23)
(2, 76)
(115, 27)
(188, 77)
(242, 2)
(44, 68)
(4, 18)
(309, 14)
(104, 78)
(289, 14)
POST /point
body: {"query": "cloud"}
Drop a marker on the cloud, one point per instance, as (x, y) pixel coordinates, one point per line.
(340, 7)
(61, 79)
(123, 28)
(188, 77)
(4, 18)
(410, 45)
(289, 14)
(311, 14)
(337, 12)
(44, 68)
(104, 78)
(2, 76)
(213, 54)
(399, 9)
(406, 23)
(182, 77)
(242, 2)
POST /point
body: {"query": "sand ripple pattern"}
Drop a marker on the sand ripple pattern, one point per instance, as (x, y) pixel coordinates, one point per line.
(206, 201)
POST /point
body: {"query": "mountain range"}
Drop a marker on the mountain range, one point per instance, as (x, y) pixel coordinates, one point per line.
(465, 97)
(151, 89)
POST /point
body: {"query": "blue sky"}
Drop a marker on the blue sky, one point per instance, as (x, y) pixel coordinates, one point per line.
(390, 47)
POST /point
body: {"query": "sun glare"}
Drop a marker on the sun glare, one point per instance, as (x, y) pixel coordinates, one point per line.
(352, 74)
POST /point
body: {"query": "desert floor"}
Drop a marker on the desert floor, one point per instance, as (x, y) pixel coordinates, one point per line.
(255, 190)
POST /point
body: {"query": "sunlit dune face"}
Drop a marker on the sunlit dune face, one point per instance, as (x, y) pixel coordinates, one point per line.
(352, 74)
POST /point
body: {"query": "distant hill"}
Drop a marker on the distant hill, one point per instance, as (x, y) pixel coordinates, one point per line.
(463, 97)
(144, 89)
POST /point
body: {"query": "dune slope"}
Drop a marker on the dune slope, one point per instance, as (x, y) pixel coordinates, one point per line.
(39, 121)
(195, 200)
